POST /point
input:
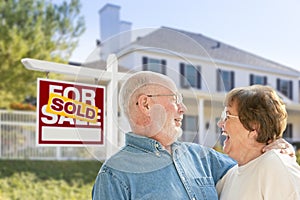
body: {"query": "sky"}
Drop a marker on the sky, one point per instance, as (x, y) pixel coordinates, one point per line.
(267, 28)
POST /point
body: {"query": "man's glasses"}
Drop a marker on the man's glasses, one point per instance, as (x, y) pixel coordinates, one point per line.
(225, 116)
(178, 97)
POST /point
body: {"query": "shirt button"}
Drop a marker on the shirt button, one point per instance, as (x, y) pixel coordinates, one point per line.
(157, 153)
(193, 198)
(156, 145)
(183, 178)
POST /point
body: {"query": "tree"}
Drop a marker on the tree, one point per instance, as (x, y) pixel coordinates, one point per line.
(35, 29)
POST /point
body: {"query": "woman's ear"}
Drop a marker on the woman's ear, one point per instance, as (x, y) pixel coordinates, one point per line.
(253, 134)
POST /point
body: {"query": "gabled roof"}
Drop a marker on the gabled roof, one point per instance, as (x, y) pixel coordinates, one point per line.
(188, 43)
(101, 64)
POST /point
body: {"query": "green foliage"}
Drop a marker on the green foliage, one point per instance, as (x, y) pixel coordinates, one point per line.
(298, 156)
(35, 29)
(47, 180)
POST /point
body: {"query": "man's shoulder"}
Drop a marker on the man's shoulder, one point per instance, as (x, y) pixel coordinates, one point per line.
(194, 147)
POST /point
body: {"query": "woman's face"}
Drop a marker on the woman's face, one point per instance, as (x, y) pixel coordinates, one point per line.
(237, 137)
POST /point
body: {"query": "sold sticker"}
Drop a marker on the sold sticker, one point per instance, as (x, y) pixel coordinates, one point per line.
(67, 107)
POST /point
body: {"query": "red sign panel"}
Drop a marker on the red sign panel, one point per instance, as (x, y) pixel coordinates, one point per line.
(70, 113)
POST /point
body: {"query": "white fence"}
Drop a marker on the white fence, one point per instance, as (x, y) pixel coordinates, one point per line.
(18, 140)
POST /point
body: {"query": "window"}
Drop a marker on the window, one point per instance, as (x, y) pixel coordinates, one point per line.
(255, 79)
(225, 80)
(190, 76)
(154, 65)
(285, 87)
(190, 128)
(288, 133)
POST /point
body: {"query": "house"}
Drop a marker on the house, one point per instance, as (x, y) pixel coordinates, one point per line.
(203, 68)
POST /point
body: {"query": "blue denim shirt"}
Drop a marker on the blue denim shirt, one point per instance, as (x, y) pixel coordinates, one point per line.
(142, 169)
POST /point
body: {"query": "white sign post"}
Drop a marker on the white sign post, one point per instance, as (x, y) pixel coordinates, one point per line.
(112, 107)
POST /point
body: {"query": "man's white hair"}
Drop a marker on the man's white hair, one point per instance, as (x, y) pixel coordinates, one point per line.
(138, 80)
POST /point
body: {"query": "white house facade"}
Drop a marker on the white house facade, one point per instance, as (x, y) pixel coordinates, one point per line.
(204, 69)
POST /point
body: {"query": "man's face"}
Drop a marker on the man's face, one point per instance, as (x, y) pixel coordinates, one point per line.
(167, 113)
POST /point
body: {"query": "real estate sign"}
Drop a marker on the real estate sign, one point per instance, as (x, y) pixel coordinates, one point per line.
(69, 113)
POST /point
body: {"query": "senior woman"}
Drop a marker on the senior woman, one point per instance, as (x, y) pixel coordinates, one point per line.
(253, 117)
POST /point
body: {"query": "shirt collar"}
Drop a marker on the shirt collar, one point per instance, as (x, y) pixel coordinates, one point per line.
(141, 142)
(144, 143)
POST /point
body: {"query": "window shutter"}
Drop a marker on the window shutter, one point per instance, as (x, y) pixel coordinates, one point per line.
(265, 80)
(251, 79)
(219, 80)
(278, 84)
(163, 66)
(182, 77)
(291, 90)
(291, 130)
(198, 77)
(145, 62)
(232, 80)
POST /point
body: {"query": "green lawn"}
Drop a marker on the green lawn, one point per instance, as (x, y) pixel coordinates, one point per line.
(47, 180)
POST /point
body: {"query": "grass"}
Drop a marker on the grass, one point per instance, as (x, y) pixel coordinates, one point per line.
(47, 180)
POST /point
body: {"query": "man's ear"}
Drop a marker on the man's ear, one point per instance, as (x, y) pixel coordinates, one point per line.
(143, 104)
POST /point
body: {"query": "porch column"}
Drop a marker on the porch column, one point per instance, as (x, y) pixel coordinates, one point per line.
(201, 123)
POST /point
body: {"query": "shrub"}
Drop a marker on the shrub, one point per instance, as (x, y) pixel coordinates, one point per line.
(298, 156)
(22, 106)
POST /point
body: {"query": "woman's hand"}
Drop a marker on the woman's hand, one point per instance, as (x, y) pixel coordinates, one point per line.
(283, 145)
